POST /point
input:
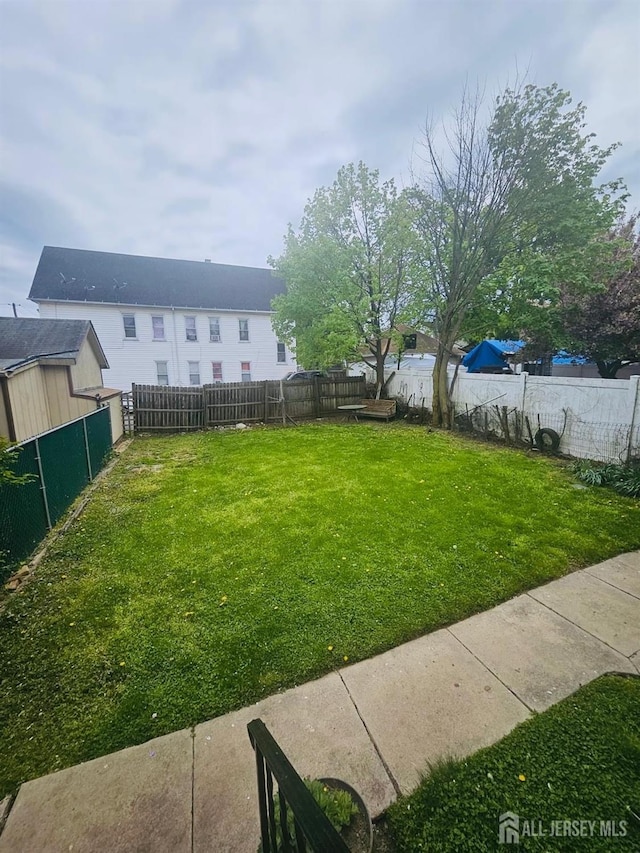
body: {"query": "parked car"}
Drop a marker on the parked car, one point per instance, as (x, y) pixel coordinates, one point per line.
(305, 374)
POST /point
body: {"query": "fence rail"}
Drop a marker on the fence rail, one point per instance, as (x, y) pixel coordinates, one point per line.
(176, 409)
(59, 464)
(596, 419)
(312, 829)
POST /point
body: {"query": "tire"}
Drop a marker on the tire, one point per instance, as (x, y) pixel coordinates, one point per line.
(547, 440)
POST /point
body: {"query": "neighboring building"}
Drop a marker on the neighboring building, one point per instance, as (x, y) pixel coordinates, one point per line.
(167, 322)
(51, 373)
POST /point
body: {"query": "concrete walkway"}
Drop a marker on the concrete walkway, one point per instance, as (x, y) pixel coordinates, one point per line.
(377, 724)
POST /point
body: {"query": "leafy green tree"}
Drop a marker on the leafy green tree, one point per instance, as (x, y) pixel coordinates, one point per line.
(8, 457)
(509, 211)
(603, 322)
(348, 271)
(9, 478)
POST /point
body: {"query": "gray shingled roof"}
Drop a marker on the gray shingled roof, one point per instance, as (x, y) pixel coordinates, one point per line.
(78, 275)
(27, 338)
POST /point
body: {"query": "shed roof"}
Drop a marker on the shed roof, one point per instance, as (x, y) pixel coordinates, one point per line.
(24, 339)
(79, 275)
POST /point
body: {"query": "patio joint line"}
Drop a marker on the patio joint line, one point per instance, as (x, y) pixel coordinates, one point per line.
(609, 583)
(579, 627)
(488, 668)
(193, 786)
(387, 769)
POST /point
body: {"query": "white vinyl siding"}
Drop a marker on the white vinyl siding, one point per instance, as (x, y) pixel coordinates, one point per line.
(162, 372)
(157, 323)
(129, 323)
(243, 330)
(190, 329)
(134, 360)
(214, 330)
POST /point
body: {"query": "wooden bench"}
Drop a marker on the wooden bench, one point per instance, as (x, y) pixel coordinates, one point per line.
(384, 409)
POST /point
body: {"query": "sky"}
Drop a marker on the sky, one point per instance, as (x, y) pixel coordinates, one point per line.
(199, 128)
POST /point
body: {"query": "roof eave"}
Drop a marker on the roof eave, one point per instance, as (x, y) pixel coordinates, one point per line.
(39, 299)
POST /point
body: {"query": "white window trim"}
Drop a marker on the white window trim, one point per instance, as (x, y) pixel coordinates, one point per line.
(195, 328)
(126, 337)
(248, 338)
(284, 352)
(166, 363)
(191, 373)
(213, 378)
(153, 330)
(217, 340)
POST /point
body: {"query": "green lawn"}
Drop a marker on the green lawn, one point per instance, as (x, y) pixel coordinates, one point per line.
(580, 760)
(211, 570)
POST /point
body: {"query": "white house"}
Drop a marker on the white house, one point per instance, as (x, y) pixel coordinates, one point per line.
(167, 322)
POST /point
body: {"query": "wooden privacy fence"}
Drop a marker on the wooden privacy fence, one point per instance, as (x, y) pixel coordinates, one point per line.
(161, 407)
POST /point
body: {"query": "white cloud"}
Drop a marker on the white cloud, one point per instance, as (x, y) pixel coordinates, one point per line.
(198, 130)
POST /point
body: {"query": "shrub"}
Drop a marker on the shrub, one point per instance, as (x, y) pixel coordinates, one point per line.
(336, 804)
(624, 479)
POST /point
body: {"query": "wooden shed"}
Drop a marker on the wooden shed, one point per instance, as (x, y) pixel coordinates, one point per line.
(51, 373)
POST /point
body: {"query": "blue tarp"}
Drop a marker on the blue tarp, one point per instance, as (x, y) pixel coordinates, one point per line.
(563, 357)
(490, 353)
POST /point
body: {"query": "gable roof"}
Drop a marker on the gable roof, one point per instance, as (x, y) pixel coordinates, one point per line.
(24, 339)
(78, 275)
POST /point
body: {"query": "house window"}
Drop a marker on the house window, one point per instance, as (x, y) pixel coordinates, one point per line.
(245, 370)
(162, 371)
(216, 369)
(190, 328)
(129, 321)
(282, 353)
(194, 373)
(214, 329)
(158, 328)
(243, 328)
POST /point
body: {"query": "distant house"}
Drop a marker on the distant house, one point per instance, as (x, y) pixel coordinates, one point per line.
(411, 346)
(51, 373)
(167, 322)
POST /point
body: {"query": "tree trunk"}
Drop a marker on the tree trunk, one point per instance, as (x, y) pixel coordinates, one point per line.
(379, 370)
(441, 403)
(608, 369)
(442, 407)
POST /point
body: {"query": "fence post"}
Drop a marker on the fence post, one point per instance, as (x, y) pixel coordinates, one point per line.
(634, 385)
(43, 486)
(316, 396)
(86, 447)
(266, 400)
(524, 375)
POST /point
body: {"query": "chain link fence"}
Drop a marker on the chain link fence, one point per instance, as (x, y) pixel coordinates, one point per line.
(562, 432)
(58, 464)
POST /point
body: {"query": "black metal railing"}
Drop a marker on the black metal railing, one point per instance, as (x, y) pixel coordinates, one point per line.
(312, 829)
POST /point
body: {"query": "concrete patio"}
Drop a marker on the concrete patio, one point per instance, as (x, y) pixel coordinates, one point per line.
(377, 724)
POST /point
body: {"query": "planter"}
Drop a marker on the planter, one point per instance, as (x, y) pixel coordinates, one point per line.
(358, 835)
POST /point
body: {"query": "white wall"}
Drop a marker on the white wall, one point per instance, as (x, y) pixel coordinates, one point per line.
(134, 360)
(598, 418)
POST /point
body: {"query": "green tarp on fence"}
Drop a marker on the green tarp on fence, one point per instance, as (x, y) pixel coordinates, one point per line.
(70, 456)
